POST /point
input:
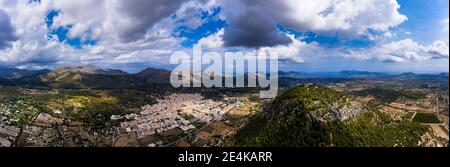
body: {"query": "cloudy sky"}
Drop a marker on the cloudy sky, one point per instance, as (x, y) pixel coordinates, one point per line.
(309, 35)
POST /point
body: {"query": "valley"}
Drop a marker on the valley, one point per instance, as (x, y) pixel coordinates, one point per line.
(89, 106)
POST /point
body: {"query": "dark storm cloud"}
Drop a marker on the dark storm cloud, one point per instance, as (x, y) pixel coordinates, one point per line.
(143, 14)
(6, 31)
(252, 29)
(251, 25)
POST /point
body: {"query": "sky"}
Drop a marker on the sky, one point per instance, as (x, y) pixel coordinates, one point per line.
(308, 35)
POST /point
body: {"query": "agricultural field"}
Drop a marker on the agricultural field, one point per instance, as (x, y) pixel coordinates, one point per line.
(426, 118)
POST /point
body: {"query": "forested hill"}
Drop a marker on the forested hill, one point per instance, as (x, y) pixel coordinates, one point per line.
(311, 115)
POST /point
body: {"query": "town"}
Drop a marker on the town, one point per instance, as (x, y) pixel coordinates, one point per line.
(185, 112)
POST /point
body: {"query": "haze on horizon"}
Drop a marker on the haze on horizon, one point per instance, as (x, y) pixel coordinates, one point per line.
(311, 36)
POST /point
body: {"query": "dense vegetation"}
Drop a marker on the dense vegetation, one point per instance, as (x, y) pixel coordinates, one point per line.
(386, 95)
(289, 122)
(92, 107)
(426, 118)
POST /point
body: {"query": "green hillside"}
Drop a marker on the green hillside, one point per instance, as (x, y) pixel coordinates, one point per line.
(300, 117)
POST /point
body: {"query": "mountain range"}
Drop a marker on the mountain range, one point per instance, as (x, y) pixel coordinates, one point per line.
(82, 77)
(341, 74)
(89, 76)
(14, 73)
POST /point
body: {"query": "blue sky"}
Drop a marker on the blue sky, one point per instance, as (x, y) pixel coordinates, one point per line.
(211, 23)
(329, 35)
(424, 22)
(61, 33)
(424, 18)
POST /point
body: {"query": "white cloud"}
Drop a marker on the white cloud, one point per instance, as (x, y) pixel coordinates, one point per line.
(446, 25)
(7, 32)
(140, 31)
(445, 21)
(32, 44)
(348, 18)
(125, 20)
(335, 16)
(402, 51)
(294, 51)
(438, 49)
(120, 29)
(213, 41)
(189, 12)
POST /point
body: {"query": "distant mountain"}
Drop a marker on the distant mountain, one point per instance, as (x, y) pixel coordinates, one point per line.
(291, 74)
(341, 74)
(355, 73)
(445, 74)
(89, 69)
(84, 77)
(14, 73)
(88, 76)
(94, 77)
(154, 76)
(410, 75)
(5, 82)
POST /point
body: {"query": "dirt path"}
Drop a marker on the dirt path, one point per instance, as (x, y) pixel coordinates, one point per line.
(439, 131)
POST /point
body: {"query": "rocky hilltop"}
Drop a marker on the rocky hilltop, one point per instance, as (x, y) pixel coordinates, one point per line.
(89, 69)
(318, 103)
(312, 116)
